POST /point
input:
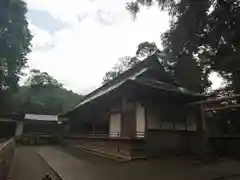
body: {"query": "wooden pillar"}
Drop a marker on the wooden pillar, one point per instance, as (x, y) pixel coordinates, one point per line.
(93, 128)
(146, 118)
(19, 128)
(140, 119)
(122, 110)
(121, 114)
(202, 134)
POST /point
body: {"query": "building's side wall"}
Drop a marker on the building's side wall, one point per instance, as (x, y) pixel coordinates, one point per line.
(191, 120)
(164, 142)
(128, 126)
(124, 122)
(34, 127)
(168, 131)
(129, 122)
(168, 118)
(154, 117)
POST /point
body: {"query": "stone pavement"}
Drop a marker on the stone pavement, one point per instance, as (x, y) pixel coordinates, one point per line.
(28, 165)
(79, 165)
(67, 166)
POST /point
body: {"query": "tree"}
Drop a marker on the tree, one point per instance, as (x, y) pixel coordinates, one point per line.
(38, 79)
(144, 50)
(14, 45)
(206, 29)
(122, 65)
(42, 94)
(223, 40)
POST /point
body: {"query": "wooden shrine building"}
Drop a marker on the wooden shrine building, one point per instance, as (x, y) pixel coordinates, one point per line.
(140, 113)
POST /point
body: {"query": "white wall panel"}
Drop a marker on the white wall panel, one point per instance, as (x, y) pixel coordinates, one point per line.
(115, 125)
(140, 119)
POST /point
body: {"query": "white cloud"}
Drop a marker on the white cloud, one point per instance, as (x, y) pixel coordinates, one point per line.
(41, 38)
(69, 10)
(80, 54)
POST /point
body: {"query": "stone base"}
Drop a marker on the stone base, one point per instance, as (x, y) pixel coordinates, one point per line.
(124, 149)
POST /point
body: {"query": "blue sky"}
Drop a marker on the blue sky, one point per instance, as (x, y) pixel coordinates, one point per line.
(77, 41)
(45, 21)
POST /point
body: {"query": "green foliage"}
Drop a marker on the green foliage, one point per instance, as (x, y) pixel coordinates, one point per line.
(14, 46)
(38, 79)
(144, 50)
(43, 94)
(14, 41)
(122, 65)
(204, 31)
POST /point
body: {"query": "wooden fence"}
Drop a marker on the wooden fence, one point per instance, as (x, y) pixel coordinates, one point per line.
(6, 155)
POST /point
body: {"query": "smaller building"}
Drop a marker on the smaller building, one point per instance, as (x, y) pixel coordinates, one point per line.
(41, 129)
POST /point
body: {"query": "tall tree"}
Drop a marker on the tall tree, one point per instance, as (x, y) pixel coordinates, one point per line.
(122, 65)
(14, 44)
(223, 39)
(206, 29)
(144, 50)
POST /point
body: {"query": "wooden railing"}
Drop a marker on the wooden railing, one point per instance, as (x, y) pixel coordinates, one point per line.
(6, 155)
(110, 135)
(39, 139)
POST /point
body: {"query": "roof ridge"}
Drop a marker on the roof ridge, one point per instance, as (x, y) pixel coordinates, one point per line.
(145, 61)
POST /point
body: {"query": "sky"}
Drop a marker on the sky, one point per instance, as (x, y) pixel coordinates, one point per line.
(78, 41)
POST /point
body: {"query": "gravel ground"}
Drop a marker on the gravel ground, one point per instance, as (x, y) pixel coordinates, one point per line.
(28, 165)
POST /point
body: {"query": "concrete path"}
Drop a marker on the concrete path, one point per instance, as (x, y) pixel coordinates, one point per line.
(67, 166)
(28, 165)
(85, 166)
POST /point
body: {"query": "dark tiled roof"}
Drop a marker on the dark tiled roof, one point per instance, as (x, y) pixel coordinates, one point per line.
(112, 87)
(134, 74)
(147, 63)
(131, 73)
(165, 86)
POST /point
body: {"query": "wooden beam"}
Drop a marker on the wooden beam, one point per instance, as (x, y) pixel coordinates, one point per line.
(222, 108)
(146, 116)
(215, 100)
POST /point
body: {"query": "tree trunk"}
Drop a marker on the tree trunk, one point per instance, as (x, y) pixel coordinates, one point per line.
(1, 85)
(236, 88)
(236, 81)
